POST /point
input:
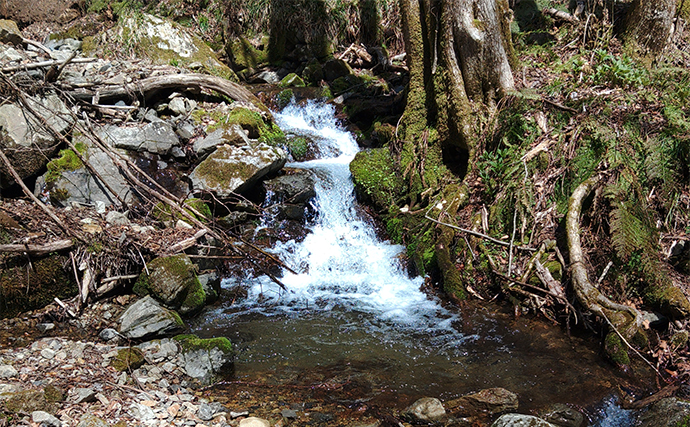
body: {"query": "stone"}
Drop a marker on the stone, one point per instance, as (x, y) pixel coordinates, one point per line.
(48, 353)
(9, 32)
(667, 412)
(254, 422)
(204, 359)
(491, 400)
(146, 318)
(211, 284)
(520, 420)
(68, 181)
(141, 412)
(8, 371)
(10, 54)
(117, 218)
(177, 106)
(45, 327)
(173, 281)
(425, 410)
(156, 137)
(296, 186)
(289, 413)
(107, 334)
(83, 395)
(90, 420)
(336, 68)
(292, 80)
(207, 411)
(232, 135)
(45, 419)
(25, 140)
(185, 130)
(231, 170)
(266, 76)
(562, 416)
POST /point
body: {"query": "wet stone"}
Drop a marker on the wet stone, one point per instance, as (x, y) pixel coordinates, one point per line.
(563, 416)
(520, 420)
(426, 409)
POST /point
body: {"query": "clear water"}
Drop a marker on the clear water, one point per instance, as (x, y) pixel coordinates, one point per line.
(352, 309)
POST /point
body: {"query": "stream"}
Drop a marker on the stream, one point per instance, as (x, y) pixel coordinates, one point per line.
(352, 315)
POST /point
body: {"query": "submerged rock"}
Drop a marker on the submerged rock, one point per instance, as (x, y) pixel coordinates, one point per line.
(563, 416)
(146, 318)
(668, 412)
(231, 170)
(520, 420)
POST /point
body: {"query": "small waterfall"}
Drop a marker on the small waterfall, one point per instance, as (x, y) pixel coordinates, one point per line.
(343, 266)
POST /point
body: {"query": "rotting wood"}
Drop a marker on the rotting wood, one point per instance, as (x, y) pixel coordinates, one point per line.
(59, 245)
(559, 14)
(186, 243)
(547, 279)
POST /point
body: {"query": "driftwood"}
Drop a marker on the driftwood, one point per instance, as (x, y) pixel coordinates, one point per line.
(186, 243)
(56, 246)
(43, 64)
(559, 14)
(151, 85)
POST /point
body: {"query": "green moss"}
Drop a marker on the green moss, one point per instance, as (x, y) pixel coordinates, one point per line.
(685, 422)
(292, 80)
(243, 55)
(68, 161)
(680, 339)
(298, 148)
(284, 98)
(192, 342)
(128, 359)
(252, 121)
(187, 294)
(375, 177)
(616, 350)
(452, 280)
(26, 402)
(53, 394)
(668, 299)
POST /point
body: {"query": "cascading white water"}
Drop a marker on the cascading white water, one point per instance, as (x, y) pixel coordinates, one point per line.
(341, 261)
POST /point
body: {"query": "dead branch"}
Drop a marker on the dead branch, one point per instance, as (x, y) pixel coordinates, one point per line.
(36, 250)
(547, 279)
(43, 64)
(560, 298)
(478, 234)
(186, 243)
(559, 14)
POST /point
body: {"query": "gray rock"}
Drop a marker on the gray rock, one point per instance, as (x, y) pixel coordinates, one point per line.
(424, 410)
(297, 186)
(233, 218)
(45, 327)
(230, 170)
(232, 135)
(211, 284)
(10, 54)
(25, 140)
(289, 413)
(668, 412)
(141, 412)
(204, 359)
(254, 422)
(90, 420)
(107, 334)
(173, 281)
(45, 419)
(156, 137)
(146, 318)
(519, 420)
(151, 116)
(117, 218)
(208, 410)
(185, 130)
(80, 186)
(563, 416)
(9, 32)
(83, 395)
(48, 353)
(8, 371)
(177, 106)
(267, 76)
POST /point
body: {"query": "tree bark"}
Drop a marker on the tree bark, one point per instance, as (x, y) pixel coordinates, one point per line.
(648, 24)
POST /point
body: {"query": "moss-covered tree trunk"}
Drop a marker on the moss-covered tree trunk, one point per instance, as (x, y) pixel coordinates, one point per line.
(648, 23)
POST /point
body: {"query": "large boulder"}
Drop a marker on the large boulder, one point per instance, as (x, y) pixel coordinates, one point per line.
(147, 319)
(156, 138)
(68, 180)
(25, 140)
(231, 135)
(205, 359)
(230, 170)
(173, 281)
(288, 195)
(9, 32)
(162, 41)
(520, 420)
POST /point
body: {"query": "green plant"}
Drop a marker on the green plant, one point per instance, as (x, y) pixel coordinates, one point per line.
(619, 71)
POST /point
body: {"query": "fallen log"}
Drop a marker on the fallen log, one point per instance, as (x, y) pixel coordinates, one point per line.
(149, 86)
(56, 246)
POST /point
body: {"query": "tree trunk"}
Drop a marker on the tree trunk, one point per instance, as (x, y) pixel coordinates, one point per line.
(648, 23)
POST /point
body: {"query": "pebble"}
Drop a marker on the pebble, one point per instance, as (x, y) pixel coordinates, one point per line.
(8, 371)
(45, 419)
(48, 353)
(45, 327)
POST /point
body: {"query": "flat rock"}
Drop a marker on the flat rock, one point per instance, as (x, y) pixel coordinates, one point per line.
(146, 318)
(230, 170)
(156, 138)
(491, 400)
(254, 422)
(82, 395)
(296, 186)
(141, 412)
(45, 419)
(232, 135)
(8, 371)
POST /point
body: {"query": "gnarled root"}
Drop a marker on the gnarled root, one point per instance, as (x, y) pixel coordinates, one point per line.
(624, 320)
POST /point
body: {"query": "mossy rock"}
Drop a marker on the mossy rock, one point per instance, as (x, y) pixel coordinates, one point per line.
(375, 177)
(174, 282)
(298, 148)
(163, 212)
(128, 359)
(26, 402)
(292, 80)
(190, 342)
(23, 288)
(66, 162)
(53, 394)
(252, 122)
(313, 73)
(616, 350)
(243, 55)
(284, 98)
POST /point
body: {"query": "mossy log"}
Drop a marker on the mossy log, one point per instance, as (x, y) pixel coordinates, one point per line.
(624, 319)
